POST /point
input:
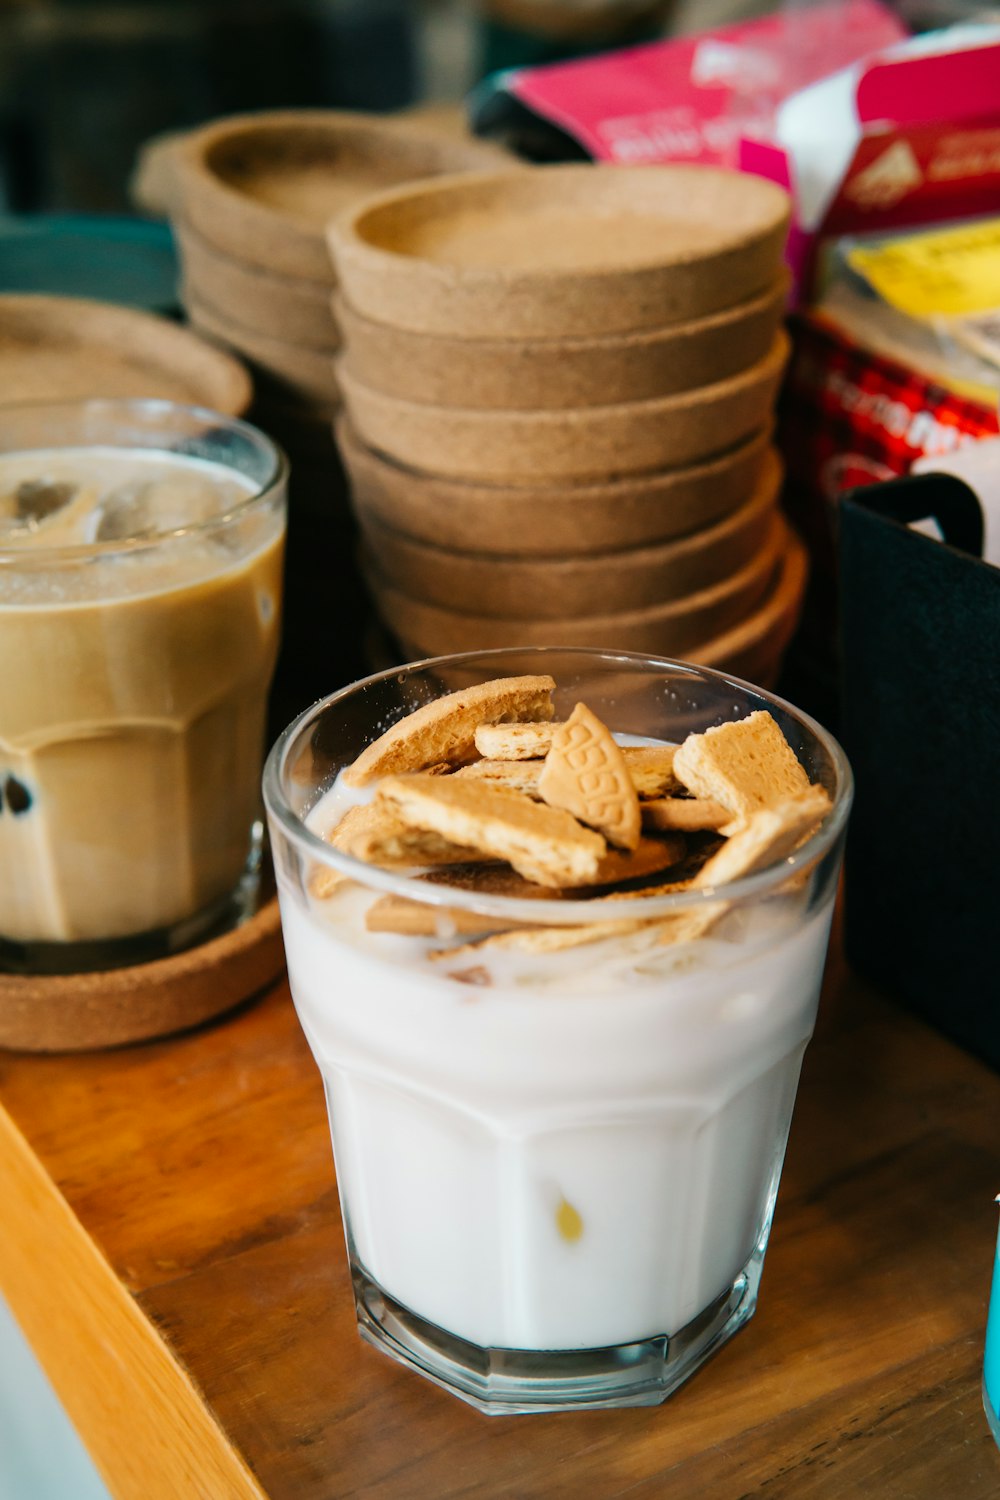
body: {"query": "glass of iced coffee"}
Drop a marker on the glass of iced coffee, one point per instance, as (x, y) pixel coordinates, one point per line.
(140, 593)
(555, 924)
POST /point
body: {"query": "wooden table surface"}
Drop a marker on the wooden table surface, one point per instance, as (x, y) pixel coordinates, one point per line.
(171, 1244)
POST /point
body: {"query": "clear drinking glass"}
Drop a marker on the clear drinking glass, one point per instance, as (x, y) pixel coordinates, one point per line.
(557, 1174)
(140, 590)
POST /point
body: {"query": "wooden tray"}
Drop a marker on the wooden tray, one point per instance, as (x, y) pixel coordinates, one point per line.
(80, 1012)
(561, 252)
(587, 443)
(535, 374)
(560, 587)
(549, 520)
(70, 349)
(300, 374)
(670, 629)
(288, 308)
(262, 187)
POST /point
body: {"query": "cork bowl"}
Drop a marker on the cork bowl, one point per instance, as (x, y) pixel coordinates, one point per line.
(561, 252)
(68, 349)
(551, 520)
(586, 443)
(559, 587)
(534, 374)
(262, 187)
(282, 307)
(755, 647)
(672, 627)
(289, 370)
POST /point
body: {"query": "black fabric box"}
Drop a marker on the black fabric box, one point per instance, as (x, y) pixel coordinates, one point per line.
(920, 623)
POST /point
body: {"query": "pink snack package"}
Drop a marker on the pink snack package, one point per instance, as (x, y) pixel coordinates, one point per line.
(903, 140)
(693, 98)
(868, 130)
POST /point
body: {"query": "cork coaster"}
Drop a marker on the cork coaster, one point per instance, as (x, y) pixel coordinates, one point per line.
(532, 374)
(518, 587)
(573, 251)
(550, 520)
(71, 349)
(301, 374)
(674, 628)
(82, 1012)
(587, 443)
(279, 307)
(262, 187)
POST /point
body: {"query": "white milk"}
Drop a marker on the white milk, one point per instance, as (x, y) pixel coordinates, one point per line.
(581, 1152)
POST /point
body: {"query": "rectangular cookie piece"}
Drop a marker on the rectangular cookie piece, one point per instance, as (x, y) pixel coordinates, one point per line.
(445, 730)
(514, 741)
(396, 846)
(649, 857)
(546, 939)
(688, 926)
(322, 880)
(374, 834)
(616, 866)
(416, 919)
(543, 844)
(684, 815)
(769, 834)
(651, 768)
(515, 775)
(746, 765)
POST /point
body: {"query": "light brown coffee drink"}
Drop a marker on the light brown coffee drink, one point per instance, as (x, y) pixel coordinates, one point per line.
(139, 621)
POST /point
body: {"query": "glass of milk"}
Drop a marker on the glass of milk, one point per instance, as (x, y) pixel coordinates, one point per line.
(557, 1170)
(140, 595)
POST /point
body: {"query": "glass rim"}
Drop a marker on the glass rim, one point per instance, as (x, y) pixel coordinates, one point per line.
(561, 913)
(37, 556)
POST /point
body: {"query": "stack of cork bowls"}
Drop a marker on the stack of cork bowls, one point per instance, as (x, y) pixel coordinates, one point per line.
(250, 198)
(558, 389)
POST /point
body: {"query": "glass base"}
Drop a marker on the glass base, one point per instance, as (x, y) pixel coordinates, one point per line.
(991, 1416)
(503, 1382)
(255, 887)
